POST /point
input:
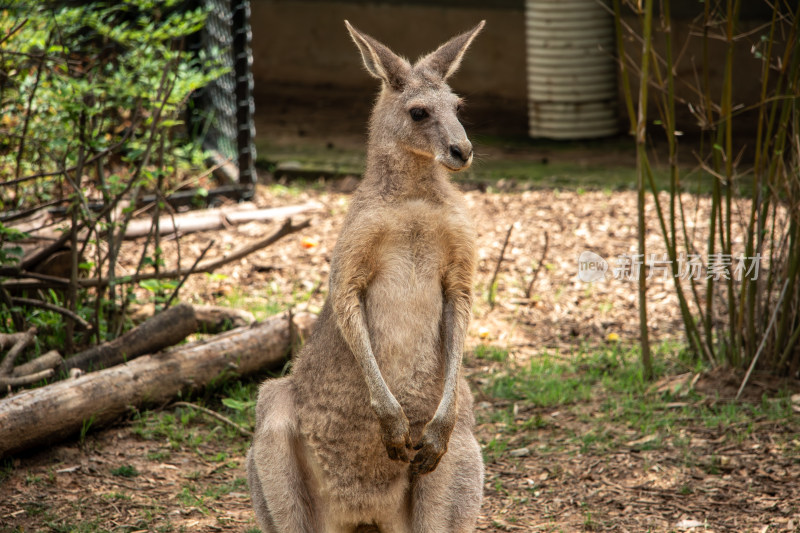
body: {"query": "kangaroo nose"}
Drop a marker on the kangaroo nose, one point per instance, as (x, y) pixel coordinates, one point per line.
(461, 152)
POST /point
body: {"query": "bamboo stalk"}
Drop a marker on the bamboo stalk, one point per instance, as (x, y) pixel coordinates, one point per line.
(623, 71)
(668, 118)
(692, 333)
(749, 286)
(763, 341)
(641, 162)
(723, 156)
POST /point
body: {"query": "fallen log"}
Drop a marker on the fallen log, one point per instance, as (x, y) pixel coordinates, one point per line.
(50, 360)
(37, 370)
(156, 333)
(6, 382)
(212, 219)
(216, 319)
(49, 414)
(18, 342)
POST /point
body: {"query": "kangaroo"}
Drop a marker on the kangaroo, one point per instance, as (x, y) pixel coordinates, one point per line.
(372, 430)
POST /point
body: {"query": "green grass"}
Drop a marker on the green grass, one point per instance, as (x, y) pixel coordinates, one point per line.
(602, 388)
(175, 429)
(551, 175)
(545, 381)
(268, 301)
(185, 428)
(491, 353)
(84, 526)
(117, 496)
(125, 471)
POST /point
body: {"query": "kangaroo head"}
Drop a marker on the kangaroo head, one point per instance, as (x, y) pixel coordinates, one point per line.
(416, 110)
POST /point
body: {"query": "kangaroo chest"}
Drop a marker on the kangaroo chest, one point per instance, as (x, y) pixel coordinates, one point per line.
(404, 298)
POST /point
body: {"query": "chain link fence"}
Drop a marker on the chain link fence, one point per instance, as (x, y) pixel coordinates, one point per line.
(226, 105)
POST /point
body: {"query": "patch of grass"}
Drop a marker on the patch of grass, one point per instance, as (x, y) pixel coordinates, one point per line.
(309, 160)
(293, 190)
(494, 449)
(537, 174)
(87, 526)
(588, 523)
(177, 429)
(215, 492)
(190, 497)
(185, 428)
(534, 422)
(116, 496)
(6, 469)
(125, 471)
(542, 382)
(239, 401)
(489, 352)
(34, 508)
(167, 528)
(598, 439)
(261, 305)
(159, 455)
(268, 301)
(623, 407)
(33, 480)
(86, 425)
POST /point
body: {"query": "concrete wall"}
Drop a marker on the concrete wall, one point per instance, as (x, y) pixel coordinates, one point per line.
(303, 42)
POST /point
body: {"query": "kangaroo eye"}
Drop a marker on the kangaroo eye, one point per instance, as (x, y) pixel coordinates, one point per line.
(418, 113)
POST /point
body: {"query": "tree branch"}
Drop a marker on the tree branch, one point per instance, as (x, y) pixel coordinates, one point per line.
(82, 324)
(21, 341)
(286, 229)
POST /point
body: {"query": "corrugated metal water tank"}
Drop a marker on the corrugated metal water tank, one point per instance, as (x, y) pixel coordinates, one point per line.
(572, 75)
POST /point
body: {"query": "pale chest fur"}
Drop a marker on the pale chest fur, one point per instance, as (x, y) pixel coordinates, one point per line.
(404, 297)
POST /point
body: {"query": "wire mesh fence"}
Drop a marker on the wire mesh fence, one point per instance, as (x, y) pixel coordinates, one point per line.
(226, 105)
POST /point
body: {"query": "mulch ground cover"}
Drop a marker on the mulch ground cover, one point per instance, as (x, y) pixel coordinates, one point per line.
(547, 476)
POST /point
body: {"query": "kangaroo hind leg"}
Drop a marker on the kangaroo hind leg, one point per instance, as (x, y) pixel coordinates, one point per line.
(278, 487)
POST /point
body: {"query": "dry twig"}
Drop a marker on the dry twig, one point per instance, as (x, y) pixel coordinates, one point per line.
(243, 431)
(25, 374)
(189, 273)
(539, 264)
(497, 267)
(13, 381)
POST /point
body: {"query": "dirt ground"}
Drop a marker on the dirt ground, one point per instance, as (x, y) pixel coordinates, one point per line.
(721, 479)
(554, 485)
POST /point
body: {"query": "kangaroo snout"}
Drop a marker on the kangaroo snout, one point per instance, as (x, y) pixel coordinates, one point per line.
(461, 151)
(459, 156)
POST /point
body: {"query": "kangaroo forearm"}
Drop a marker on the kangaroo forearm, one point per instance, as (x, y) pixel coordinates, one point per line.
(352, 324)
(455, 330)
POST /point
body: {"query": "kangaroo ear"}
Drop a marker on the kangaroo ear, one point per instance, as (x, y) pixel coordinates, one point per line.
(379, 60)
(446, 59)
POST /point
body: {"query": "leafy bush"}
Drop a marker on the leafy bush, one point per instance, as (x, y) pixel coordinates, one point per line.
(101, 79)
(93, 100)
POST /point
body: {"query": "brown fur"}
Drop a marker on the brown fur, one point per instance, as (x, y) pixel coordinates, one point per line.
(373, 429)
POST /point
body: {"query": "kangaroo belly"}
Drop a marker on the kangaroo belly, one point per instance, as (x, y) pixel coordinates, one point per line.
(404, 313)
